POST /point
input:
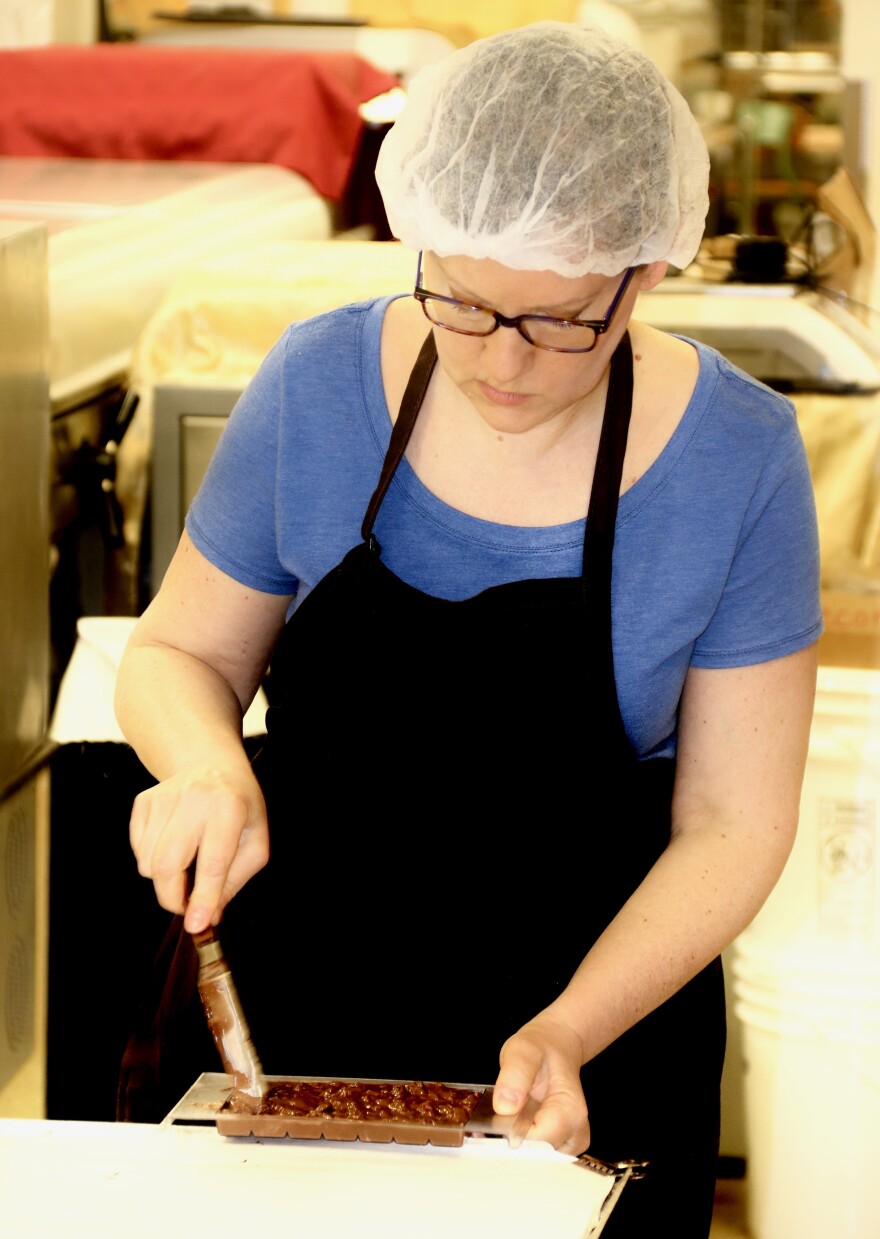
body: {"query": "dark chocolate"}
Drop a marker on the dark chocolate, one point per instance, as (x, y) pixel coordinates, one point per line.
(407, 1112)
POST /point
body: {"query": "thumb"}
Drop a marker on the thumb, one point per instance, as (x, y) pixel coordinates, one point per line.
(520, 1063)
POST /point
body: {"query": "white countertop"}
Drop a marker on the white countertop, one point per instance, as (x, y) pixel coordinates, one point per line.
(139, 1181)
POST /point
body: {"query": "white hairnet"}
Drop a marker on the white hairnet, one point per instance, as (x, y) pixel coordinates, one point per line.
(551, 146)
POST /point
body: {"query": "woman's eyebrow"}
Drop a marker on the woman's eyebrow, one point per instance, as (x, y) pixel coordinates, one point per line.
(556, 312)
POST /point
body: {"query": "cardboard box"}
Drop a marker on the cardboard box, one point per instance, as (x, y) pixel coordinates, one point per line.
(852, 629)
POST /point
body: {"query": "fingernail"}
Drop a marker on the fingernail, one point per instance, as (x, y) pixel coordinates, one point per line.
(197, 919)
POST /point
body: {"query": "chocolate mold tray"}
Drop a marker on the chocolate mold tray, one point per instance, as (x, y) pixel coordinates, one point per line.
(450, 1109)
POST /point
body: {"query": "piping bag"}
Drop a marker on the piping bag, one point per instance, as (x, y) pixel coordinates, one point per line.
(226, 1021)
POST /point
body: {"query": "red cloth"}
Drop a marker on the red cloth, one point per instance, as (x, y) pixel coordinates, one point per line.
(125, 101)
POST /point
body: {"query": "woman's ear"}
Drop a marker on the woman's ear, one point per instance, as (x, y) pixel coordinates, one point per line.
(650, 275)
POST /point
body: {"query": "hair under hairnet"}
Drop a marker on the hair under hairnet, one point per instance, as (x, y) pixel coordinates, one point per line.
(552, 146)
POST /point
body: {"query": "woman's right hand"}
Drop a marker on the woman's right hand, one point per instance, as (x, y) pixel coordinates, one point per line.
(192, 665)
(213, 815)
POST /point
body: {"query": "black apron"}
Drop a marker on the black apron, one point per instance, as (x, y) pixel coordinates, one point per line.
(456, 814)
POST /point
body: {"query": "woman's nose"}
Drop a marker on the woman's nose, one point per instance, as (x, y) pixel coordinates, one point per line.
(506, 353)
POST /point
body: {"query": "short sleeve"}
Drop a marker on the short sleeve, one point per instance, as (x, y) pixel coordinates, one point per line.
(232, 519)
(770, 605)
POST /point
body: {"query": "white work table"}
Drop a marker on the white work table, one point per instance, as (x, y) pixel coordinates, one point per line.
(140, 1181)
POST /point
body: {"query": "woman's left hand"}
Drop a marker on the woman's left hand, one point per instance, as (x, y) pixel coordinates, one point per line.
(542, 1062)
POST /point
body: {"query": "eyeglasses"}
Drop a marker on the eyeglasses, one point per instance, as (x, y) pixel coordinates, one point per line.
(559, 335)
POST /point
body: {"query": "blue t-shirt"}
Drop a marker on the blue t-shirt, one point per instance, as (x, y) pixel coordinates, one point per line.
(716, 554)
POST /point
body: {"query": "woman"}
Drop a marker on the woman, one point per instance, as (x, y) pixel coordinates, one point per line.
(516, 798)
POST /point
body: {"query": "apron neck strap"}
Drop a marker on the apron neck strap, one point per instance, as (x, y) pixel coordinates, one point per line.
(608, 472)
(410, 404)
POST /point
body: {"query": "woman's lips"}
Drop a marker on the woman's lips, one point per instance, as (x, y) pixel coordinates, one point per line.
(504, 398)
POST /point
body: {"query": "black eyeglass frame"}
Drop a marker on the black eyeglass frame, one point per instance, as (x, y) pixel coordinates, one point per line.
(599, 326)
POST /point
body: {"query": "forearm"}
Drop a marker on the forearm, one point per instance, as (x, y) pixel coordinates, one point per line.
(192, 665)
(702, 892)
(176, 711)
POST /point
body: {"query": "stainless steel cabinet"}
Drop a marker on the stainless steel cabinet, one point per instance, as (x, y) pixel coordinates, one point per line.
(24, 628)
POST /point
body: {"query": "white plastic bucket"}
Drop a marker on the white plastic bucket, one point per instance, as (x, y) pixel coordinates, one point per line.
(830, 888)
(810, 1024)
